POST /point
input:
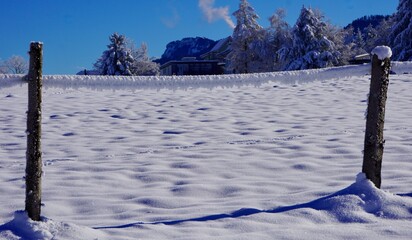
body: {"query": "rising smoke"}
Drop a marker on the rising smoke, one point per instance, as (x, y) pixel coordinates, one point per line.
(215, 13)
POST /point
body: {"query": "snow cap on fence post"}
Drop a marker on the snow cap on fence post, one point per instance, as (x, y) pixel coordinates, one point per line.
(382, 52)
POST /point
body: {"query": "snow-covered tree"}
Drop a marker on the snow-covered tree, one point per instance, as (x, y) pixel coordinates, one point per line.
(401, 35)
(312, 46)
(14, 65)
(248, 39)
(279, 40)
(143, 66)
(359, 46)
(3, 68)
(117, 60)
(337, 36)
(263, 53)
(371, 35)
(364, 38)
(354, 41)
(384, 30)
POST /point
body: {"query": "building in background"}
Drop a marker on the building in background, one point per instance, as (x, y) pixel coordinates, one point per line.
(191, 66)
(210, 63)
(219, 51)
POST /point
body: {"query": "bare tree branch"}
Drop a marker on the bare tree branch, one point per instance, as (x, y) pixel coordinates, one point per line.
(16, 65)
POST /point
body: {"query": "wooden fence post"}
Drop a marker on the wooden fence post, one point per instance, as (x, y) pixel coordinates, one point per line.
(374, 141)
(33, 154)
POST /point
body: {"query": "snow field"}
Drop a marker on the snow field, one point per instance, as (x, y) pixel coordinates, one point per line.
(223, 160)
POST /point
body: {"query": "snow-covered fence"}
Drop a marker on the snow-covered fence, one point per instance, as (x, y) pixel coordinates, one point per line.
(203, 81)
(33, 154)
(374, 141)
(189, 82)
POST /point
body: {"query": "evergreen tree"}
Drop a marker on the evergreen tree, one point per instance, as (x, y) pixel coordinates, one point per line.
(279, 38)
(264, 53)
(359, 43)
(354, 40)
(371, 35)
(401, 35)
(312, 46)
(117, 60)
(248, 40)
(384, 30)
(363, 38)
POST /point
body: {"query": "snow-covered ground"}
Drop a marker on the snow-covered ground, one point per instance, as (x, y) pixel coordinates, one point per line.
(261, 156)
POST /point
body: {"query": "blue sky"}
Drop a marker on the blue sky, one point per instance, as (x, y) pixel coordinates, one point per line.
(75, 32)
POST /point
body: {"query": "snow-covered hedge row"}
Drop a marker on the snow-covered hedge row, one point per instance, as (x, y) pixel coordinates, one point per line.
(208, 81)
(10, 80)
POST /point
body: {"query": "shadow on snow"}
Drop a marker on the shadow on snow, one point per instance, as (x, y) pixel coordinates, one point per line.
(361, 202)
(346, 206)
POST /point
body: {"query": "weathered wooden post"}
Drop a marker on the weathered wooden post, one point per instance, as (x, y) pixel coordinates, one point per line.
(374, 141)
(33, 154)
